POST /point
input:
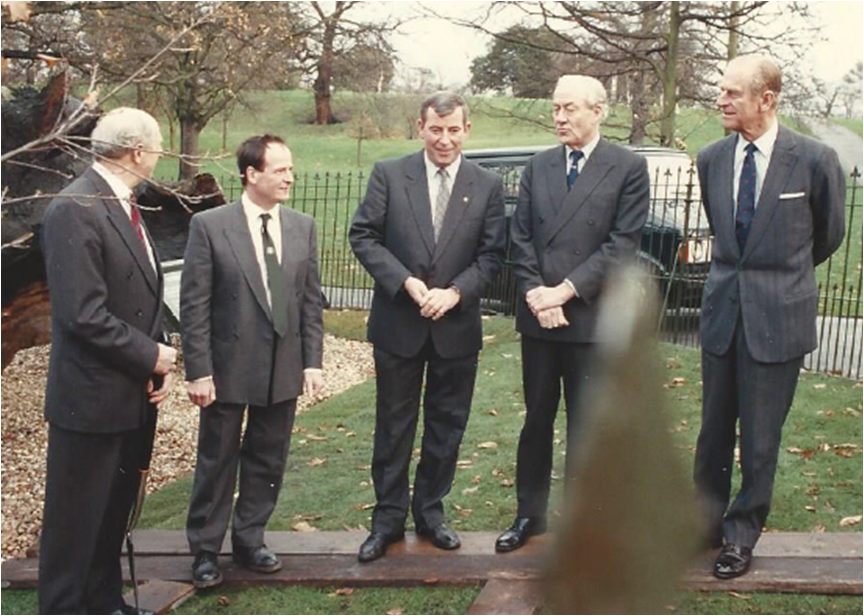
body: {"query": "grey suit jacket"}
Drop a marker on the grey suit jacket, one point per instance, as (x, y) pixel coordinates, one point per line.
(393, 238)
(578, 234)
(226, 319)
(106, 311)
(799, 223)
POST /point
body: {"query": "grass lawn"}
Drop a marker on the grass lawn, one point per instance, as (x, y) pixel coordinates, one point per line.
(819, 480)
(856, 125)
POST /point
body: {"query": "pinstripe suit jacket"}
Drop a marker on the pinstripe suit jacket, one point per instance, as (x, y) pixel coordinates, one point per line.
(798, 224)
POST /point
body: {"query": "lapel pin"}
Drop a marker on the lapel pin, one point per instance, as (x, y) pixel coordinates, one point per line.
(465, 199)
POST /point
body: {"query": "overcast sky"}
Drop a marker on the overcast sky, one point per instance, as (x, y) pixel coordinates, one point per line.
(447, 50)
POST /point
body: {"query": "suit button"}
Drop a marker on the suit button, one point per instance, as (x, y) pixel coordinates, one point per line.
(590, 222)
(233, 296)
(577, 252)
(129, 275)
(139, 313)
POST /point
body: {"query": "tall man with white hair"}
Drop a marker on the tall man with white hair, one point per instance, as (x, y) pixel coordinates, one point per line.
(110, 367)
(581, 209)
(775, 202)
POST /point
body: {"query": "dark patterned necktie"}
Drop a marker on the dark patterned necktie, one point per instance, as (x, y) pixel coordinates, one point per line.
(441, 202)
(575, 157)
(275, 281)
(746, 197)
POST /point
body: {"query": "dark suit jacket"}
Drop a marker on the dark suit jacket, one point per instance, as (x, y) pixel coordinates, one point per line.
(799, 222)
(578, 234)
(393, 238)
(226, 319)
(106, 311)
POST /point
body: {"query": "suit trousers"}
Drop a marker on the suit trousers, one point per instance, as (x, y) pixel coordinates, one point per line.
(757, 396)
(261, 457)
(92, 482)
(446, 405)
(546, 365)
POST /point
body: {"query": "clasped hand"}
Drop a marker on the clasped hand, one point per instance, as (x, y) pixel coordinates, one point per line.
(433, 303)
(546, 303)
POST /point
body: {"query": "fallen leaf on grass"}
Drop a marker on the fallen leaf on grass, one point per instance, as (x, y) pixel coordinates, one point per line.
(738, 595)
(820, 386)
(810, 508)
(342, 592)
(366, 506)
(464, 464)
(396, 611)
(315, 437)
(850, 521)
(846, 450)
(488, 445)
(304, 527)
(492, 412)
(468, 491)
(317, 462)
(223, 600)
(807, 454)
(507, 483)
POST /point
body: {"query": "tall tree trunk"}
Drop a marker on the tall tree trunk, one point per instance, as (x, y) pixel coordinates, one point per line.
(321, 87)
(638, 108)
(190, 132)
(670, 90)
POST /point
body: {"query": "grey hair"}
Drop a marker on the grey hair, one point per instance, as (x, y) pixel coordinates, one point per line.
(123, 129)
(590, 89)
(765, 74)
(444, 103)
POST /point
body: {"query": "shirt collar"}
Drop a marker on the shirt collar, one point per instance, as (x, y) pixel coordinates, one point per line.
(432, 168)
(587, 150)
(253, 211)
(765, 143)
(117, 186)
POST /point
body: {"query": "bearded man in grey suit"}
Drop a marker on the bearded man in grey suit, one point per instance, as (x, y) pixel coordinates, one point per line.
(759, 306)
(430, 231)
(581, 209)
(251, 312)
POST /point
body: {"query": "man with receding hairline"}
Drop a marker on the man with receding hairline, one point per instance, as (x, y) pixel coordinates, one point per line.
(775, 203)
(430, 231)
(110, 367)
(580, 212)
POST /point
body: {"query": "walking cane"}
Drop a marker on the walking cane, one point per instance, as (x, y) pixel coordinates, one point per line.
(144, 471)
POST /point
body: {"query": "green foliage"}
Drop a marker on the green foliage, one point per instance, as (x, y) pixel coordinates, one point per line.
(856, 125)
(521, 60)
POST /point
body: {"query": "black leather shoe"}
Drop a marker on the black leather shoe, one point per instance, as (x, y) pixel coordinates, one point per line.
(205, 570)
(515, 537)
(376, 544)
(261, 559)
(129, 609)
(443, 537)
(733, 561)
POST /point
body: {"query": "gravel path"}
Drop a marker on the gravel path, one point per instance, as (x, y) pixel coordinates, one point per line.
(24, 433)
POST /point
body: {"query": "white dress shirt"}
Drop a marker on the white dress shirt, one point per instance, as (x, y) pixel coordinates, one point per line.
(253, 214)
(586, 153)
(123, 194)
(433, 181)
(765, 147)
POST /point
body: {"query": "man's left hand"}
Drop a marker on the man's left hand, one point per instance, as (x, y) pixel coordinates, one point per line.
(158, 396)
(543, 298)
(313, 382)
(438, 302)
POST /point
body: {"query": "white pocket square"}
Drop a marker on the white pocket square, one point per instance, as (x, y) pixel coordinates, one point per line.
(792, 195)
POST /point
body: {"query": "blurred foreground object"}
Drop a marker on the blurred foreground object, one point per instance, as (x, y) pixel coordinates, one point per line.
(630, 516)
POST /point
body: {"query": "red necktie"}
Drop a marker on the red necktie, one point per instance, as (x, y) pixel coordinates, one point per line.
(136, 220)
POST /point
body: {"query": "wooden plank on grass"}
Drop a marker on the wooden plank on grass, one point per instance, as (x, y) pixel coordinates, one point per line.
(346, 543)
(811, 545)
(501, 596)
(160, 596)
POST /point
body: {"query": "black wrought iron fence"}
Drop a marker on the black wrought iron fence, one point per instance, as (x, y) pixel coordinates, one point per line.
(675, 250)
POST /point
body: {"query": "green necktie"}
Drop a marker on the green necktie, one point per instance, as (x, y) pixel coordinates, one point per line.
(275, 281)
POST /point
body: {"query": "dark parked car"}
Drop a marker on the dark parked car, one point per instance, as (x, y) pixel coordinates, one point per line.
(676, 244)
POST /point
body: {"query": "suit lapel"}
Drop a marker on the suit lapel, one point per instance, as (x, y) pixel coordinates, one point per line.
(724, 179)
(598, 165)
(783, 159)
(121, 223)
(556, 181)
(460, 202)
(417, 189)
(244, 251)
